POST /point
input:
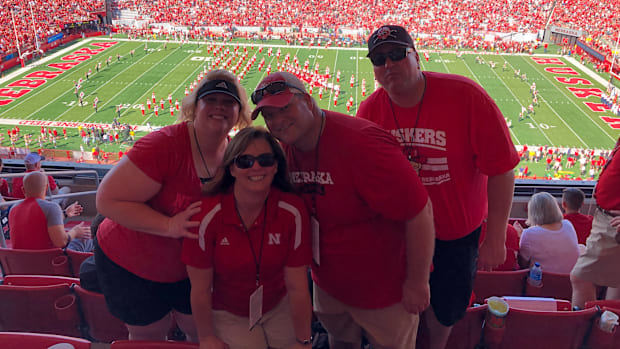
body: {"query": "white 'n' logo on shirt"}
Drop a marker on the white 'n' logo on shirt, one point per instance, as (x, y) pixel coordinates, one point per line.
(274, 239)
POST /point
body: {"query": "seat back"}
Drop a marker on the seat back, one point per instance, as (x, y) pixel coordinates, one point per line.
(43, 309)
(38, 262)
(39, 280)
(126, 344)
(102, 326)
(543, 329)
(21, 340)
(75, 260)
(554, 285)
(600, 339)
(466, 333)
(499, 283)
(610, 303)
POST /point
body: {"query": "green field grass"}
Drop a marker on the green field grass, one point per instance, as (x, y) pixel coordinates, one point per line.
(561, 120)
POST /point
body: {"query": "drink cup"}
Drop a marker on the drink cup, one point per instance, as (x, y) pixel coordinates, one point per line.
(608, 321)
(497, 311)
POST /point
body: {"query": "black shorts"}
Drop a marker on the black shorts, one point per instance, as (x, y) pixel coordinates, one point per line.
(137, 301)
(452, 279)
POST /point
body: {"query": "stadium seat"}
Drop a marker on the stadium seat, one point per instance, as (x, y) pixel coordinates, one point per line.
(44, 309)
(610, 303)
(546, 329)
(499, 283)
(600, 339)
(538, 303)
(126, 344)
(34, 262)
(466, 333)
(24, 340)
(101, 326)
(75, 260)
(39, 280)
(554, 285)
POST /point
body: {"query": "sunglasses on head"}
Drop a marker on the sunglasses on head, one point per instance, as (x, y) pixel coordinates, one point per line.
(273, 89)
(247, 161)
(395, 55)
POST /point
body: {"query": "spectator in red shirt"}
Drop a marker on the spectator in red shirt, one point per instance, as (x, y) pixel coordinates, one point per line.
(512, 247)
(572, 201)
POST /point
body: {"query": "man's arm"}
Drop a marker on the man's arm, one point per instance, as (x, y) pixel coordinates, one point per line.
(500, 189)
(420, 247)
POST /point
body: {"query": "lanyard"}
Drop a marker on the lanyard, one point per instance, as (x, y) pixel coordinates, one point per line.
(247, 234)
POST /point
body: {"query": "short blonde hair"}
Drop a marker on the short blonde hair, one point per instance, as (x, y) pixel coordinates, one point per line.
(543, 209)
(188, 105)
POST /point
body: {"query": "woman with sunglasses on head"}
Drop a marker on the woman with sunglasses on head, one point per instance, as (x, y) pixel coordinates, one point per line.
(253, 249)
(149, 198)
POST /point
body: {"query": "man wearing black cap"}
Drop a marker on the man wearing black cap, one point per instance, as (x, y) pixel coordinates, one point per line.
(454, 135)
(371, 218)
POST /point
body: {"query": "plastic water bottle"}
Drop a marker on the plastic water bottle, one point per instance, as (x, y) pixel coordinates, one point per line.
(535, 278)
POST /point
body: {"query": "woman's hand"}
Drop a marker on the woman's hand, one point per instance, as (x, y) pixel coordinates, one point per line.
(179, 224)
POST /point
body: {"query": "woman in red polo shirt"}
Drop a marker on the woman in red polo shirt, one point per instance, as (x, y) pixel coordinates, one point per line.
(248, 268)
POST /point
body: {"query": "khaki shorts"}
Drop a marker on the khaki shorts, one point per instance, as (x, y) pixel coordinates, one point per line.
(599, 264)
(390, 327)
(274, 330)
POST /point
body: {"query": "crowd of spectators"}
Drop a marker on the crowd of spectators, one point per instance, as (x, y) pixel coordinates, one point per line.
(50, 16)
(467, 20)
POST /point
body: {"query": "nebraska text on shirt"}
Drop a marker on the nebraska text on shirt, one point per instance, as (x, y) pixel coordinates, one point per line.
(311, 177)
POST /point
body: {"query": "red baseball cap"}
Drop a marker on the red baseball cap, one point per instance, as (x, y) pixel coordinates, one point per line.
(279, 99)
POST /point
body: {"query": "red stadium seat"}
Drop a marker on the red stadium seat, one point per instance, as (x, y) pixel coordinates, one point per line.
(44, 309)
(126, 344)
(75, 260)
(553, 286)
(538, 303)
(466, 333)
(23, 340)
(102, 326)
(38, 262)
(39, 280)
(610, 303)
(600, 339)
(499, 283)
(546, 329)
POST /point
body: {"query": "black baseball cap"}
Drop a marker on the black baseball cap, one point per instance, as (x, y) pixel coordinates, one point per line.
(219, 86)
(387, 34)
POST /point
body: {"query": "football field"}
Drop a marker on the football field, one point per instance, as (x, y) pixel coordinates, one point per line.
(569, 113)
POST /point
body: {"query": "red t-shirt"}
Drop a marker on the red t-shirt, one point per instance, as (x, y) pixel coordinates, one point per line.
(165, 156)
(463, 137)
(29, 224)
(582, 224)
(607, 191)
(4, 188)
(223, 245)
(364, 192)
(18, 182)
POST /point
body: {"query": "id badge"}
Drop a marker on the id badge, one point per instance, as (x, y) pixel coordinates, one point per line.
(316, 254)
(256, 307)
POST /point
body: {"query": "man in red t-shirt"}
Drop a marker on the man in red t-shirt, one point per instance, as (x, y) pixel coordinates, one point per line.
(598, 265)
(371, 217)
(572, 201)
(455, 136)
(32, 162)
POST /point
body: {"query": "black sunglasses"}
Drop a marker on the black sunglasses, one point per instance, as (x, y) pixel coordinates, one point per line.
(264, 160)
(395, 55)
(273, 89)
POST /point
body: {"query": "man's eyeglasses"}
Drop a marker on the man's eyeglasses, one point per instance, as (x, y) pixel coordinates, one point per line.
(273, 89)
(247, 161)
(395, 55)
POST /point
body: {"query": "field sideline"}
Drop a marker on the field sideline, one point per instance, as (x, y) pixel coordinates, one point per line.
(569, 114)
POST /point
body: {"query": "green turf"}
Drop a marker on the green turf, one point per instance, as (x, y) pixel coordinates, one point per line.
(560, 120)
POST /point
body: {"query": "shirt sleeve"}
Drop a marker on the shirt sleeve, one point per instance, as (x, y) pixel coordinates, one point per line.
(384, 177)
(154, 154)
(300, 245)
(52, 211)
(199, 252)
(524, 244)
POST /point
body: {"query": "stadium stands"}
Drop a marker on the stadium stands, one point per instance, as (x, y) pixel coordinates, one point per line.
(42, 262)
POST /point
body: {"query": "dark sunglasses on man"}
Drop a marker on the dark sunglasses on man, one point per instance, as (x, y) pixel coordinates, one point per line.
(273, 89)
(247, 161)
(395, 55)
